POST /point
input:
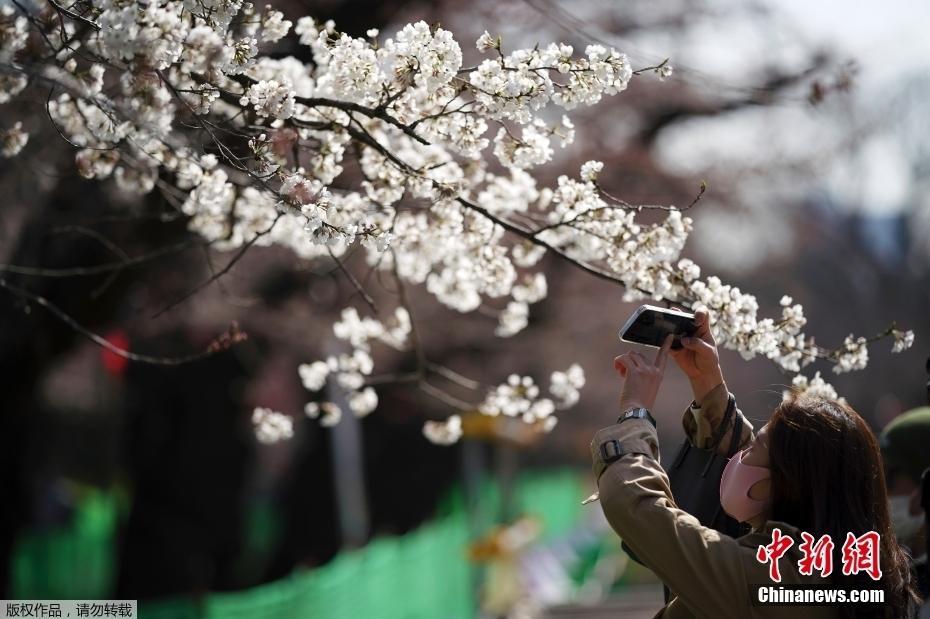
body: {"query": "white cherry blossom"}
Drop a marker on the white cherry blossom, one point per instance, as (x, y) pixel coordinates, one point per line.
(566, 386)
(815, 386)
(443, 432)
(13, 140)
(902, 340)
(272, 426)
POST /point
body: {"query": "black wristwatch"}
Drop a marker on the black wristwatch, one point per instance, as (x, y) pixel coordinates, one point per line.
(637, 413)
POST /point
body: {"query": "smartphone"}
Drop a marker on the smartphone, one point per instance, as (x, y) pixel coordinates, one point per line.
(650, 325)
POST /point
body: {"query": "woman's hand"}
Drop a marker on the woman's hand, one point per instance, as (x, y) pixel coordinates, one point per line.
(643, 377)
(698, 358)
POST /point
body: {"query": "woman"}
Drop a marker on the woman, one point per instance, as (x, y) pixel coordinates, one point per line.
(815, 468)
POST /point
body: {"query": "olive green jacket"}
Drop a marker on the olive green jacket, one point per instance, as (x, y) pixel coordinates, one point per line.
(709, 574)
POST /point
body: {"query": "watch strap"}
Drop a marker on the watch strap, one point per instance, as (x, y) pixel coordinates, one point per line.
(638, 412)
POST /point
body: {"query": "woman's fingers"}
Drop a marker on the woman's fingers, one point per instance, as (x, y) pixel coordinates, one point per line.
(618, 365)
(635, 359)
(697, 345)
(642, 376)
(700, 317)
(702, 321)
(630, 360)
(662, 355)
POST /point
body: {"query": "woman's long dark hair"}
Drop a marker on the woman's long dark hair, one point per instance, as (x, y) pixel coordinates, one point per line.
(827, 478)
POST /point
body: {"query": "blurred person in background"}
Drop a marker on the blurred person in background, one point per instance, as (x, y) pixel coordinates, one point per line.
(905, 444)
(815, 467)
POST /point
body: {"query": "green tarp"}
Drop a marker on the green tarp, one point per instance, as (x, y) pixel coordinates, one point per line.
(423, 574)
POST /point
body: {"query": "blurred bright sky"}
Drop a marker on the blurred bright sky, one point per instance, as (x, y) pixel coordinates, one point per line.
(862, 151)
(888, 44)
(886, 38)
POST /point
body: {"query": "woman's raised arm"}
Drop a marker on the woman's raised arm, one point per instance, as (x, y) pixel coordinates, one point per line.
(700, 362)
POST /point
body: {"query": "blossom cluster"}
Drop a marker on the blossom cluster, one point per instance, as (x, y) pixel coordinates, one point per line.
(444, 432)
(515, 85)
(13, 140)
(520, 397)
(902, 340)
(815, 386)
(349, 372)
(271, 426)
(14, 33)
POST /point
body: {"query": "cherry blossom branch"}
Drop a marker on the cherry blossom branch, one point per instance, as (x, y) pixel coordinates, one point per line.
(532, 237)
(621, 204)
(225, 123)
(379, 113)
(832, 355)
(361, 109)
(638, 207)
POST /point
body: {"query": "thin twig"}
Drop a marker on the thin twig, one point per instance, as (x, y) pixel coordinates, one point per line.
(414, 331)
(654, 207)
(388, 379)
(93, 234)
(655, 68)
(232, 336)
(445, 398)
(620, 204)
(229, 265)
(74, 15)
(48, 112)
(358, 287)
(98, 269)
(453, 376)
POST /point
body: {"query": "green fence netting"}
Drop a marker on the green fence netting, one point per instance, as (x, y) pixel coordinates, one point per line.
(423, 574)
(73, 562)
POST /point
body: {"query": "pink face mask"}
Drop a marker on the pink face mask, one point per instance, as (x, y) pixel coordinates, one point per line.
(735, 483)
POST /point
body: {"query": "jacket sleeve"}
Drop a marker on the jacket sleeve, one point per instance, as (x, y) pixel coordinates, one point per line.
(701, 566)
(701, 423)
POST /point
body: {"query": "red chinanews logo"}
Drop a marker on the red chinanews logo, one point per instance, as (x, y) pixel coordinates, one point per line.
(859, 554)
